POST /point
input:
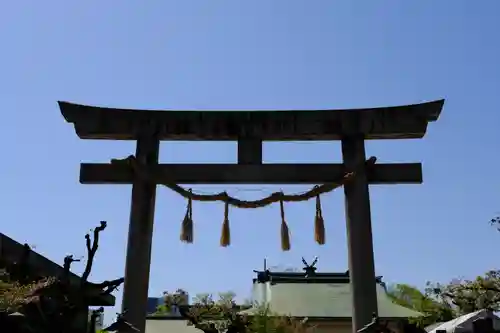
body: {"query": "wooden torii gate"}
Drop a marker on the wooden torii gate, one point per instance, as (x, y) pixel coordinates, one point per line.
(250, 129)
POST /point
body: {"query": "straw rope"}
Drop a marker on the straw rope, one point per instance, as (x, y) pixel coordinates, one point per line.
(187, 229)
(232, 201)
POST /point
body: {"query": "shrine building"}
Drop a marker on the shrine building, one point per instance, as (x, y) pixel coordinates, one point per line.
(323, 298)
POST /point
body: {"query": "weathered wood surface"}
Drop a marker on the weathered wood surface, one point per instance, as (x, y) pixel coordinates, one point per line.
(359, 236)
(140, 237)
(398, 122)
(94, 173)
(249, 151)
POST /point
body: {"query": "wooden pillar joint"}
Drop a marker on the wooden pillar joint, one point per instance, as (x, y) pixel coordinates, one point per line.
(249, 150)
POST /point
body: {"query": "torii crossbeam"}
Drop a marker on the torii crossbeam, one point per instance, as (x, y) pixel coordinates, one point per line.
(250, 129)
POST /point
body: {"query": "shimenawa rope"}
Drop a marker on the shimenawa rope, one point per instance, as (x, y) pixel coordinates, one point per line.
(187, 224)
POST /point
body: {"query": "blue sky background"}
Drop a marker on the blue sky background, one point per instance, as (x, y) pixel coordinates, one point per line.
(253, 55)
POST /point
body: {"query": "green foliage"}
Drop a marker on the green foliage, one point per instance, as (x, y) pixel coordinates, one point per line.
(14, 295)
(263, 321)
(412, 298)
(161, 310)
(221, 314)
(466, 296)
(443, 302)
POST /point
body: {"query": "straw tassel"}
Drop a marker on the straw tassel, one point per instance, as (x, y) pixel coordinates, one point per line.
(319, 224)
(225, 237)
(285, 233)
(187, 223)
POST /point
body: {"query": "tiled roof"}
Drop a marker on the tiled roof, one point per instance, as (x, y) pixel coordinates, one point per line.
(320, 300)
(308, 276)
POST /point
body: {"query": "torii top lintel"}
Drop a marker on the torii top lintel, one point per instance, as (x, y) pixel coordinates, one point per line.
(397, 122)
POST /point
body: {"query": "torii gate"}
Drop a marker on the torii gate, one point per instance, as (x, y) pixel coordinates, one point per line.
(250, 129)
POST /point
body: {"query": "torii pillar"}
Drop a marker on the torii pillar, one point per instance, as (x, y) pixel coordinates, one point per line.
(250, 129)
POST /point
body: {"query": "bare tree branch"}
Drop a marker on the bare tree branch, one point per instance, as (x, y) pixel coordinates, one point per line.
(92, 250)
(110, 286)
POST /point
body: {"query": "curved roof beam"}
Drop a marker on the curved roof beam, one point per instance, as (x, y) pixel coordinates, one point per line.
(396, 122)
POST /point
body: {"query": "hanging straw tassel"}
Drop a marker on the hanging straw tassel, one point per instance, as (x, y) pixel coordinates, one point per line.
(319, 224)
(225, 237)
(187, 223)
(285, 233)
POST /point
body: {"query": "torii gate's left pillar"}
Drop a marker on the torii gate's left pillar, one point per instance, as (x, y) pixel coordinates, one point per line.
(140, 235)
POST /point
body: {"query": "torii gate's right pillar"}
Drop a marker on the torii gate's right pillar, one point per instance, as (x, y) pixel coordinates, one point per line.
(359, 234)
(408, 123)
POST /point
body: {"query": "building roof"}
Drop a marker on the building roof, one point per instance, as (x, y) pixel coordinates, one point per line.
(464, 323)
(320, 300)
(316, 295)
(309, 275)
(11, 251)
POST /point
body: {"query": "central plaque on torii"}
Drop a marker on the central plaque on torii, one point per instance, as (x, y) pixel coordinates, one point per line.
(250, 129)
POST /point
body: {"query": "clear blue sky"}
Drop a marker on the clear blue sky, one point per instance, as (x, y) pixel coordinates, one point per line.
(253, 55)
